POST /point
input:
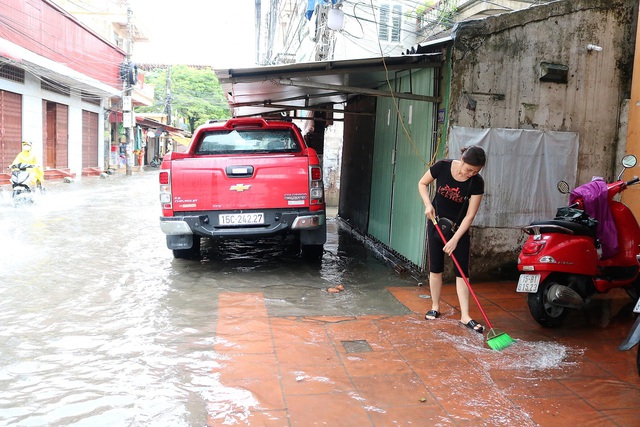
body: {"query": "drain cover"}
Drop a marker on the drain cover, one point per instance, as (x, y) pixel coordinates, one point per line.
(357, 346)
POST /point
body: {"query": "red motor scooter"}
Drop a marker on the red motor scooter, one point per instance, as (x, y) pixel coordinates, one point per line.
(561, 261)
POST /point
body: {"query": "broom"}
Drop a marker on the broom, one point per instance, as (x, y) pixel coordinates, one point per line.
(496, 340)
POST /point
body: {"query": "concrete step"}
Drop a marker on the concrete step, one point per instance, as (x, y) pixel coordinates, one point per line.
(55, 174)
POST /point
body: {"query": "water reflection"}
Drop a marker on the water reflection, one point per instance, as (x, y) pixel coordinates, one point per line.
(101, 326)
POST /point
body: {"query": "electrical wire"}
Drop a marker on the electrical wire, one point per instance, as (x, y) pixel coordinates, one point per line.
(361, 12)
(366, 7)
(48, 29)
(395, 104)
(56, 86)
(288, 35)
(103, 77)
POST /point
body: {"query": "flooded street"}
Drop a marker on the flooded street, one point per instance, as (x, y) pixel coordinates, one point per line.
(101, 326)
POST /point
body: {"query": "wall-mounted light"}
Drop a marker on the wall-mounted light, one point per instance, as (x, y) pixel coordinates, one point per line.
(594, 47)
(335, 19)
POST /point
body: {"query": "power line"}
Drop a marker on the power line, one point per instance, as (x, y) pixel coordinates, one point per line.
(51, 30)
(12, 26)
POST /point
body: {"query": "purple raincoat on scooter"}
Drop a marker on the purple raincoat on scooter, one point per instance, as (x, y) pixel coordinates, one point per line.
(594, 196)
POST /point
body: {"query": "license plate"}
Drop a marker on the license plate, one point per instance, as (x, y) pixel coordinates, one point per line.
(241, 218)
(528, 283)
(636, 309)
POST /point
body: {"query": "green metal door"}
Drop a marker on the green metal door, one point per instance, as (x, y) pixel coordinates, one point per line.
(400, 159)
(382, 171)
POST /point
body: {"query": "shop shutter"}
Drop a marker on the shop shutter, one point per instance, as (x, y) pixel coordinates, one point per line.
(62, 136)
(10, 127)
(89, 139)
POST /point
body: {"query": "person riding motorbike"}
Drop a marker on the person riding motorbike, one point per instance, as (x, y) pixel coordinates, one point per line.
(28, 157)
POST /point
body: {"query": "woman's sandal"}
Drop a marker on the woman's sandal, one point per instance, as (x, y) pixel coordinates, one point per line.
(474, 326)
(433, 313)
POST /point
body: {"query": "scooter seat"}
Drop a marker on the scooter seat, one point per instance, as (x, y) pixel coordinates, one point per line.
(560, 226)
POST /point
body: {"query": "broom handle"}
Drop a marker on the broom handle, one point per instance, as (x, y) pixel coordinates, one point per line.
(486, 319)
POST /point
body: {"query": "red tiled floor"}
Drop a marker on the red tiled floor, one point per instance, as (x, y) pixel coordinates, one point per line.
(563, 411)
(265, 419)
(315, 379)
(623, 417)
(418, 415)
(334, 409)
(404, 370)
(388, 391)
(605, 393)
(375, 362)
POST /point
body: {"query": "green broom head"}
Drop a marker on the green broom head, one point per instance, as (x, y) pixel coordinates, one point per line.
(498, 340)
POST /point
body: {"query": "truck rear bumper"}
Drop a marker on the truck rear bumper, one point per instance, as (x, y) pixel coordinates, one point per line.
(174, 227)
(206, 224)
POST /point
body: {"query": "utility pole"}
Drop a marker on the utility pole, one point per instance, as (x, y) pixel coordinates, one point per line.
(127, 102)
(169, 98)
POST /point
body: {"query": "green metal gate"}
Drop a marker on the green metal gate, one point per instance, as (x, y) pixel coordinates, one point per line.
(403, 147)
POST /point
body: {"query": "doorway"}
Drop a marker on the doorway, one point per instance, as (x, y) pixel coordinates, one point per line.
(56, 147)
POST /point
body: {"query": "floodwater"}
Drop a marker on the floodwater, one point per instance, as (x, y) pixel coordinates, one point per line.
(99, 325)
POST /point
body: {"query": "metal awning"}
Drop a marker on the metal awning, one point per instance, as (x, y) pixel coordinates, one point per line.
(180, 139)
(116, 117)
(317, 85)
(154, 124)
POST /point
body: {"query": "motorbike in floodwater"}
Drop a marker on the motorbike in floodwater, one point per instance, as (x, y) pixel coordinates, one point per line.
(22, 190)
(567, 260)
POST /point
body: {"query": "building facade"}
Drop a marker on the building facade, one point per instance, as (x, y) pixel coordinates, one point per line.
(548, 69)
(55, 78)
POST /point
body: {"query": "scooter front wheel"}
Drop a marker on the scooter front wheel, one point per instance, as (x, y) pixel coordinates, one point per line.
(543, 311)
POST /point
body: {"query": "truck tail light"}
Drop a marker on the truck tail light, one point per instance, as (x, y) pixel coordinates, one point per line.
(165, 189)
(316, 186)
(316, 173)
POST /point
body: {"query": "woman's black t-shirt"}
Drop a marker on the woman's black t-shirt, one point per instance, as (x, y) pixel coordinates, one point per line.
(450, 193)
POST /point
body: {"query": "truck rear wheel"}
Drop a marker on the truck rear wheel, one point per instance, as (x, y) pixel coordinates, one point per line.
(192, 252)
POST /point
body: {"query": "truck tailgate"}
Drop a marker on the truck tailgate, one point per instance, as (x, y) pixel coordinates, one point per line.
(240, 182)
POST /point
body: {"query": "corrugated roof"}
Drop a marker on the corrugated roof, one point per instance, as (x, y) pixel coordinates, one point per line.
(300, 86)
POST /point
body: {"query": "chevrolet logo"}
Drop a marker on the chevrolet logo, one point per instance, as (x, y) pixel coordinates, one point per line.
(239, 187)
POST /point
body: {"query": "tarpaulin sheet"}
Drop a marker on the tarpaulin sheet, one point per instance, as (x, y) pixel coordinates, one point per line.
(311, 6)
(521, 174)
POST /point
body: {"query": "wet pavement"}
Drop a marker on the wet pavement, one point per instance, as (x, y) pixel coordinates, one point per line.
(400, 370)
(99, 325)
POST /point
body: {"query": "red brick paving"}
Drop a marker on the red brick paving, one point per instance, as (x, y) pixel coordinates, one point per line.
(402, 370)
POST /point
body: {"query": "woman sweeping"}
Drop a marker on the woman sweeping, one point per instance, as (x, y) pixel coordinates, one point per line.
(459, 190)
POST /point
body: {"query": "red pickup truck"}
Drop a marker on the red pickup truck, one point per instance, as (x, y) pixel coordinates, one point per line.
(244, 178)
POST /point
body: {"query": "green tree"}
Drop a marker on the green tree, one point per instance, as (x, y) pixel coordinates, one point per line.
(195, 94)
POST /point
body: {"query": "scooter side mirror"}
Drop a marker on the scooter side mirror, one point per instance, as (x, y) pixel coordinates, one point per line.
(629, 161)
(563, 187)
